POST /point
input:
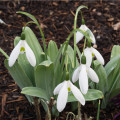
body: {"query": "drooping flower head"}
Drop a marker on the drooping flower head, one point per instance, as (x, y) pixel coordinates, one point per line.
(20, 48)
(62, 90)
(79, 35)
(82, 73)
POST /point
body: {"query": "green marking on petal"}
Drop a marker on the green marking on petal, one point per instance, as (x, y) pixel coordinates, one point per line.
(92, 54)
(69, 89)
(22, 49)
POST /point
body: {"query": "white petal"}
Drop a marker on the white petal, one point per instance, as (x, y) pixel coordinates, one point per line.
(78, 95)
(79, 36)
(83, 80)
(75, 76)
(30, 55)
(98, 56)
(58, 88)
(14, 54)
(88, 55)
(92, 74)
(92, 37)
(62, 97)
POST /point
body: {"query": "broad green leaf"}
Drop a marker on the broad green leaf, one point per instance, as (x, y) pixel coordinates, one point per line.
(23, 62)
(44, 74)
(52, 50)
(91, 95)
(33, 43)
(19, 76)
(36, 92)
(102, 85)
(111, 64)
(114, 83)
(28, 15)
(57, 68)
(115, 51)
(70, 54)
(115, 92)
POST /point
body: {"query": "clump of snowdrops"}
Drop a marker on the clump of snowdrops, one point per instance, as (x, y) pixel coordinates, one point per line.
(54, 76)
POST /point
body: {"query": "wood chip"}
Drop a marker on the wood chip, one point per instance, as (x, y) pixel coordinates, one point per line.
(116, 26)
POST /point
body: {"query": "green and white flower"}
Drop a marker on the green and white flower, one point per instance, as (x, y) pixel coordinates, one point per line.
(82, 73)
(91, 52)
(79, 36)
(62, 90)
(22, 47)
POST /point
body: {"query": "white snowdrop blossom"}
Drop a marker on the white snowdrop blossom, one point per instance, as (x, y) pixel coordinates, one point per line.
(82, 73)
(22, 47)
(91, 52)
(79, 36)
(62, 90)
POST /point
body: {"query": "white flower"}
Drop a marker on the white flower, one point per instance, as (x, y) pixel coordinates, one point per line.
(82, 73)
(62, 90)
(20, 48)
(89, 53)
(79, 36)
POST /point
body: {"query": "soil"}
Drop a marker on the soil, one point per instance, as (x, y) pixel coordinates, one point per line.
(56, 19)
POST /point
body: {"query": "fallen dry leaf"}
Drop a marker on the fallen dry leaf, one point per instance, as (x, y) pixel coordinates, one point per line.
(116, 26)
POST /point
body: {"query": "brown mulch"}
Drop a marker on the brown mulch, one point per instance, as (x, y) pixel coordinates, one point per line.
(56, 19)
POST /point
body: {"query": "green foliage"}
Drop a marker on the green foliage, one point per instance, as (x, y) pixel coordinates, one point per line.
(109, 76)
(91, 95)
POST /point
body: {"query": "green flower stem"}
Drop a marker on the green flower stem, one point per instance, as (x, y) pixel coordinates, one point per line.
(67, 42)
(43, 37)
(84, 46)
(4, 53)
(75, 24)
(98, 112)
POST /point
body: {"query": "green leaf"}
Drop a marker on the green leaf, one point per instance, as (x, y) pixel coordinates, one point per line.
(33, 43)
(44, 74)
(23, 62)
(103, 81)
(28, 15)
(115, 51)
(70, 54)
(115, 92)
(34, 91)
(91, 95)
(114, 83)
(111, 64)
(19, 76)
(52, 50)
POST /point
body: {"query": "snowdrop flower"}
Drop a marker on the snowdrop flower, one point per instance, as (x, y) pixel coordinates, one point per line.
(79, 36)
(89, 53)
(82, 73)
(22, 47)
(62, 90)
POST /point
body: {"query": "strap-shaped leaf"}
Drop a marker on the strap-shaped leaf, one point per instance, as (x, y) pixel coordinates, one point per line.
(103, 81)
(44, 74)
(33, 43)
(91, 95)
(29, 15)
(19, 76)
(34, 91)
(23, 62)
(115, 51)
(111, 64)
(52, 50)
